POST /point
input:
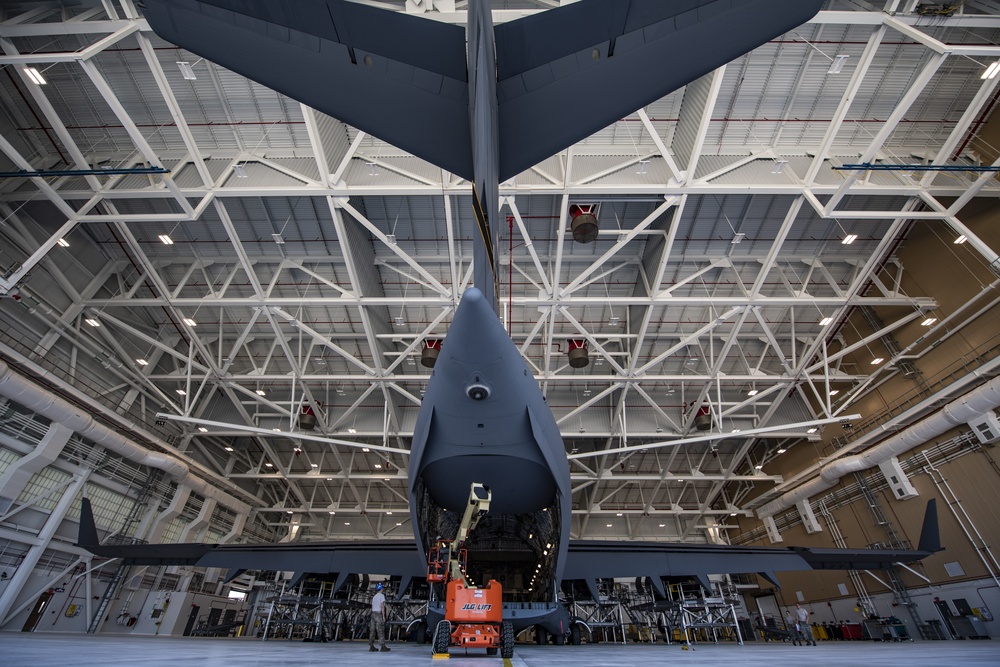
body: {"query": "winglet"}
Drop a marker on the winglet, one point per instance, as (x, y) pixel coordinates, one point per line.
(88, 529)
(930, 537)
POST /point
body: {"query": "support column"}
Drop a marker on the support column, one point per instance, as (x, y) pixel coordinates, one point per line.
(27, 566)
(17, 476)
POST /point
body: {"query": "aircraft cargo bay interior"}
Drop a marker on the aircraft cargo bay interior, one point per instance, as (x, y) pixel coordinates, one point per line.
(533, 332)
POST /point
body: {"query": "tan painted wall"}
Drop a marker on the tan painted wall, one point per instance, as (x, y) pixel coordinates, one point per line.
(952, 274)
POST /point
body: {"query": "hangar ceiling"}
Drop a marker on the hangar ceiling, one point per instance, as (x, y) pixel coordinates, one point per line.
(275, 258)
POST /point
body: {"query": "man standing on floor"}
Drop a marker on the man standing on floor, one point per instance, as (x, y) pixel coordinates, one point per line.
(805, 630)
(377, 625)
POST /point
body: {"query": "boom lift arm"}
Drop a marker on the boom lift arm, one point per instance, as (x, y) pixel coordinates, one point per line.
(446, 560)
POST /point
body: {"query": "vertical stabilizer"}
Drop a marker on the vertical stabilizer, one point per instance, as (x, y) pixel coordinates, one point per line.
(930, 537)
(88, 528)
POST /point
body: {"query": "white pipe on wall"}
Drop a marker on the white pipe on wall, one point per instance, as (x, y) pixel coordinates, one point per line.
(20, 389)
(982, 399)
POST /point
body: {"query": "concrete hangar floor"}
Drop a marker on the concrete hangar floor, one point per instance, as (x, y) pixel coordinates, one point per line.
(59, 650)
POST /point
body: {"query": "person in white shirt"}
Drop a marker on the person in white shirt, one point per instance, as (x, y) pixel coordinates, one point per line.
(805, 630)
(379, 617)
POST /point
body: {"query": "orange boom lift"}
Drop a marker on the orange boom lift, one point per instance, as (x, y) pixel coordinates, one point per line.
(473, 615)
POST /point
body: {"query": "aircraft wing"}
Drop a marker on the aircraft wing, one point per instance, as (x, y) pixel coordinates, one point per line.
(598, 559)
(389, 557)
(398, 77)
(568, 72)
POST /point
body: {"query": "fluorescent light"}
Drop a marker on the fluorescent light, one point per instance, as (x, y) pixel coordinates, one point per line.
(619, 514)
(826, 320)
(268, 465)
(186, 70)
(191, 323)
(289, 512)
(364, 449)
(643, 167)
(399, 320)
(203, 429)
(239, 171)
(64, 243)
(834, 392)
(228, 449)
(758, 467)
(782, 450)
(752, 392)
(165, 239)
(390, 239)
(610, 525)
(261, 392)
(877, 360)
(142, 362)
(347, 523)
(352, 430)
(811, 430)
(929, 321)
(181, 392)
(276, 429)
(36, 76)
(738, 238)
(331, 512)
(735, 430)
(849, 239)
(663, 525)
(837, 66)
(278, 238)
(732, 514)
(92, 322)
(779, 166)
(962, 238)
(613, 321)
(378, 466)
(314, 465)
(990, 72)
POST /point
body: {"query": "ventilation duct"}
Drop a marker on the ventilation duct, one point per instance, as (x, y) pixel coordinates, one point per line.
(978, 401)
(20, 389)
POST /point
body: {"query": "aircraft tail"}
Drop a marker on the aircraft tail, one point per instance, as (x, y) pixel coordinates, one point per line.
(930, 537)
(88, 528)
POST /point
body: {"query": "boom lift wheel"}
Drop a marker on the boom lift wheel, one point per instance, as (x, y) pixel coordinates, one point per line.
(442, 637)
(506, 639)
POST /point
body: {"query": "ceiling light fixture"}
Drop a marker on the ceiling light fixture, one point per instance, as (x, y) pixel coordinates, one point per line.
(142, 362)
(837, 66)
(181, 392)
(849, 239)
(962, 238)
(877, 360)
(390, 239)
(811, 430)
(365, 450)
(92, 322)
(989, 73)
(203, 429)
(268, 465)
(35, 76)
(643, 167)
(398, 320)
(826, 320)
(353, 430)
(834, 392)
(165, 239)
(228, 449)
(191, 323)
(929, 321)
(186, 70)
(613, 321)
(64, 243)
(779, 166)
(278, 239)
(738, 238)
(261, 392)
(314, 465)
(782, 450)
(239, 171)
(758, 467)
(753, 392)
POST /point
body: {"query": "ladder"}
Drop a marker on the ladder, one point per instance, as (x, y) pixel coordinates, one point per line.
(109, 595)
(897, 585)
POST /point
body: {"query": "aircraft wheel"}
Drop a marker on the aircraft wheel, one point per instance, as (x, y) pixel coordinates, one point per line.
(574, 634)
(420, 633)
(442, 637)
(506, 639)
(541, 635)
(559, 639)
